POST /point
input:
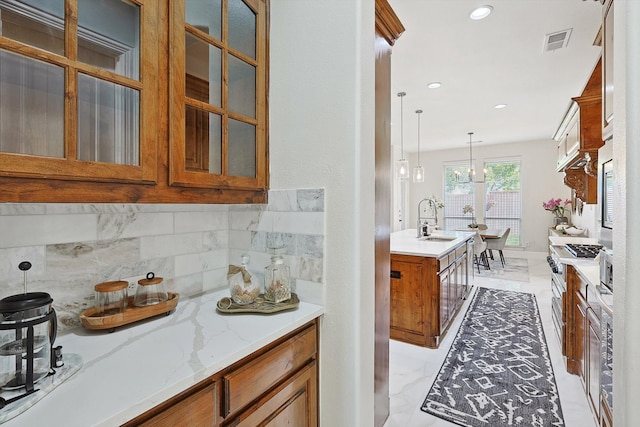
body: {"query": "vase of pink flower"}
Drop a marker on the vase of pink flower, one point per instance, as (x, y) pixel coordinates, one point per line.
(558, 208)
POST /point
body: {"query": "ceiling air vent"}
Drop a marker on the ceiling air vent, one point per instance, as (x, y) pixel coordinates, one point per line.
(556, 40)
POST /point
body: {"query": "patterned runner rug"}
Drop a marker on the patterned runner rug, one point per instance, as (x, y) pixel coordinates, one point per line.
(498, 371)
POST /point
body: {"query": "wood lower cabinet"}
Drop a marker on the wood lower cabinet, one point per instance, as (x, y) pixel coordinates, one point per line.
(291, 404)
(584, 341)
(275, 386)
(193, 408)
(426, 294)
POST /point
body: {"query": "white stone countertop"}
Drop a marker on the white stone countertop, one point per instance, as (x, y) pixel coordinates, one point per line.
(138, 366)
(588, 268)
(406, 242)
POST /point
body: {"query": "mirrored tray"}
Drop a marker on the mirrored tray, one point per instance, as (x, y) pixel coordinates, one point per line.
(226, 305)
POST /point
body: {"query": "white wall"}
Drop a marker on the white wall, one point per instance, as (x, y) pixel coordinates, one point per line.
(322, 135)
(540, 182)
(626, 230)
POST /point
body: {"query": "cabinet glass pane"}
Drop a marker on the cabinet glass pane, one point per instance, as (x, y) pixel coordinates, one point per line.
(206, 15)
(108, 122)
(37, 23)
(242, 87)
(109, 35)
(31, 106)
(203, 141)
(203, 67)
(242, 28)
(242, 149)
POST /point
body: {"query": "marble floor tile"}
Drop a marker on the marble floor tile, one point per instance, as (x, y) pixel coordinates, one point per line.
(413, 369)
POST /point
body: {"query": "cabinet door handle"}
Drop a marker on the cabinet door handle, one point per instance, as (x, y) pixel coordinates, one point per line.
(396, 274)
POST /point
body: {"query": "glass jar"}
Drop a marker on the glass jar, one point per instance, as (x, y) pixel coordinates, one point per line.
(243, 287)
(277, 282)
(150, 291)
(111, 297)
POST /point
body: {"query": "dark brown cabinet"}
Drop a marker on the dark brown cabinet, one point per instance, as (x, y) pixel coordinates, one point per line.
(277, 385)
(426, 294)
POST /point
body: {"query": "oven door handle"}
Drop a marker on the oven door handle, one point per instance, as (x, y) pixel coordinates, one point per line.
(603, 304)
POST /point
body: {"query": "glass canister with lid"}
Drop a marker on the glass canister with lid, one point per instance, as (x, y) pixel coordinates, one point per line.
(244, 288)
(111, 297)
(277, 280)
(150, 291)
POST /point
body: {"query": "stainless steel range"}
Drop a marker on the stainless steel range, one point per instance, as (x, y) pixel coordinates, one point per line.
(583, 251)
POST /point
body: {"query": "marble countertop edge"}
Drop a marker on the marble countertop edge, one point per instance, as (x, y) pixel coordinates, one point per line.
(129, 371)
(406, 242)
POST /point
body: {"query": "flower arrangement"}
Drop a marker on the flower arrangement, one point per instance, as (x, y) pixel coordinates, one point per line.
(468, 209)
(556, 206)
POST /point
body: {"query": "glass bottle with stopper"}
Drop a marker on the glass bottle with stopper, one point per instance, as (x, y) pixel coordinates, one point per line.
(277, 281)
(244, 288)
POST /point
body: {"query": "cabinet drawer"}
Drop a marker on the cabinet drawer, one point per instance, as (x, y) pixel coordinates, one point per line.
(197, 409)
(291, 404)
(248, 382)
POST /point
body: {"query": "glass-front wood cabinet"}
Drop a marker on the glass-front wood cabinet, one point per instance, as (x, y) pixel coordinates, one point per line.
(147, 96)
(74, 79)
(218, 72)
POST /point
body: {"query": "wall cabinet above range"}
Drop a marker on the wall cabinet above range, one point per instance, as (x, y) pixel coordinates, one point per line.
(579, 137)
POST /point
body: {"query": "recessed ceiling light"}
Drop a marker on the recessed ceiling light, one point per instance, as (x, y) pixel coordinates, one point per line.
(499, 106)
(434, 85)
(481, 12)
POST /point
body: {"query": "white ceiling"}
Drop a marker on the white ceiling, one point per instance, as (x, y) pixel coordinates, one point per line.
(498, 60)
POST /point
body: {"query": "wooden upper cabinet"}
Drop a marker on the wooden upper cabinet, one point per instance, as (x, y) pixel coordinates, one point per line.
(77, 89)
(579, 137)
(133, 101)
(218, 55)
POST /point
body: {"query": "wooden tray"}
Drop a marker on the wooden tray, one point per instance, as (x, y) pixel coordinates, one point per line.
(131, 314)
(226, 305)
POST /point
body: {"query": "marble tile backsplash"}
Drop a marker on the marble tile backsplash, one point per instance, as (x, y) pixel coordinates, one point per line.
(72, 247)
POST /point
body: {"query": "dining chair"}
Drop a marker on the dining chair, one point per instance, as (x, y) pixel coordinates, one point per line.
(482, 226)
(498, 244)
(480, 252)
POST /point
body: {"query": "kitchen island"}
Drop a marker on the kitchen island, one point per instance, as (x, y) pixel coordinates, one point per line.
(429, 283)
(171, 359)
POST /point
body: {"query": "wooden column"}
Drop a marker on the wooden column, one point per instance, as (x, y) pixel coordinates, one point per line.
(388, 29)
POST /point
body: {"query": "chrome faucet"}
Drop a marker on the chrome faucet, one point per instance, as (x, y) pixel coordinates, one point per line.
(425, 222)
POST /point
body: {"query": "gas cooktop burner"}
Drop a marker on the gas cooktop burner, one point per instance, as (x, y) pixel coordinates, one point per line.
(583, 251)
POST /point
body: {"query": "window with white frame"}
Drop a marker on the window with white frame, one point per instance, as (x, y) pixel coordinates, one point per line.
(457, 195)
(503, 197)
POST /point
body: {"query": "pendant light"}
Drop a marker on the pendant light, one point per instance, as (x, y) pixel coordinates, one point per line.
(471, 172)
(402, 165)
(418, 171)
